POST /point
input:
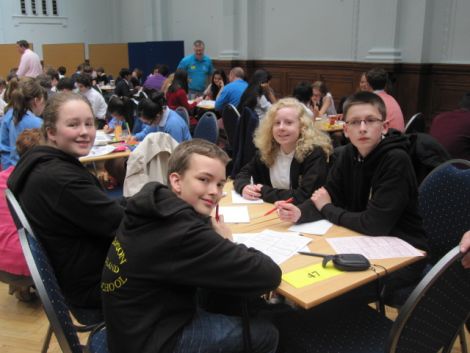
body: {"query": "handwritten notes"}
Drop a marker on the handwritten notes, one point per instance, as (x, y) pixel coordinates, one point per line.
(318, 227)
(309, 275)
(374, 247)
(239, 199)
(279, 246)
(235, 214)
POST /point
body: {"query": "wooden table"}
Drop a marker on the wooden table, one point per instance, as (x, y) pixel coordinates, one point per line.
(105, 157)
(315, 294)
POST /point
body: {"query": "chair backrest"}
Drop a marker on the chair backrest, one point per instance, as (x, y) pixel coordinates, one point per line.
(444, 205)
(148, 162)
(207, 128)
(17, 213)
(435, 311)
(48, 289)
(415, 124)
(183, 113)
(244, 148)
(230, 116)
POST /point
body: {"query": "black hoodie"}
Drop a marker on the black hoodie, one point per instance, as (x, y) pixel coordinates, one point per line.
(72, 216)
(163, 252)
(376, 195)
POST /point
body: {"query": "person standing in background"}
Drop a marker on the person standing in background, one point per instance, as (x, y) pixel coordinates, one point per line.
(199, 68)
(30, 63)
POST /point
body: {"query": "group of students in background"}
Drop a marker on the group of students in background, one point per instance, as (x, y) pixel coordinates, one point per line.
(145, 259)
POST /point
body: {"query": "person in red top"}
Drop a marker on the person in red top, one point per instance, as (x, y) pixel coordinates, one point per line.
(452, 129)
(177, 94)
(13, 268)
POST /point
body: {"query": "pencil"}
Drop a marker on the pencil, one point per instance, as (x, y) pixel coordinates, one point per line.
(128, 128)
(217, 212)
(289, 200)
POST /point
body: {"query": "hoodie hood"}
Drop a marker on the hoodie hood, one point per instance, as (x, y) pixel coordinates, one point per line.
(30, 160)
(154, 201)
(393, 139)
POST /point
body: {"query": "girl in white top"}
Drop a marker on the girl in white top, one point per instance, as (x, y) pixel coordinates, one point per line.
(323, 100)
(291, 159)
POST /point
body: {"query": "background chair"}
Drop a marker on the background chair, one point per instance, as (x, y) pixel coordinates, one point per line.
(428, 322)
(243, 148)
(87, 318)
(444, 205)
(183, 113)
(415, 124)
(207, 128)
(230, 116)
(56, 309)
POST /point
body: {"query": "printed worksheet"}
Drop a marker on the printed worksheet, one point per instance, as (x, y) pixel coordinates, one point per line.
(279, 246)
(374, 247)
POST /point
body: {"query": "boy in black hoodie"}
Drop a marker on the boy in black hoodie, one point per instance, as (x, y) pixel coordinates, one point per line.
(166, 248)
(371, 187)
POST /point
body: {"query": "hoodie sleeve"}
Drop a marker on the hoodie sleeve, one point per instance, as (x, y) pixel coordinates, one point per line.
(208, 261)
(85, 206)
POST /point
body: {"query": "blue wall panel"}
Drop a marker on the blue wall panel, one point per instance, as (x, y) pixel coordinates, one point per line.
(145, 55)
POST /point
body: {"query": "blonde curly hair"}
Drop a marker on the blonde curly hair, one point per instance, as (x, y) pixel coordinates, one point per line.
(310, 137)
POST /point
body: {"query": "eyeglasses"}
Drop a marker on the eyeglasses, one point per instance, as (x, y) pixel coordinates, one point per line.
(367, 121)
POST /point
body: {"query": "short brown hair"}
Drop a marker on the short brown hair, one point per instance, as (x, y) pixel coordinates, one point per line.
(365, 98)
(179, 160)
(27, 140)
(51, 111)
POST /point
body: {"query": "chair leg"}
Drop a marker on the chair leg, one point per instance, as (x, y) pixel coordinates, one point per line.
(47, 340)
(463, 341)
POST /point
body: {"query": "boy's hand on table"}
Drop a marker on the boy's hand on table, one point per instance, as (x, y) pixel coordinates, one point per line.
(221, 228)
(320, 198)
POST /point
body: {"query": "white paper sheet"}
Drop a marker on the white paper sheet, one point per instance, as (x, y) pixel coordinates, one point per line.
(374, 247)
(235, 214)
(279, 246)
(239, 199)
(318, 227)
(102, 138)
(100, 151)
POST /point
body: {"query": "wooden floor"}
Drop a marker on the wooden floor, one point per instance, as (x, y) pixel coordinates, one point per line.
(23, 326)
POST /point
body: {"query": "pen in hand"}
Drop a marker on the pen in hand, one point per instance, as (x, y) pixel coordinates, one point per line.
(217, 213)
(289, 200)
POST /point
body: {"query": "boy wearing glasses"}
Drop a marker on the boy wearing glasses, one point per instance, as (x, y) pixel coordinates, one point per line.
(371, 187)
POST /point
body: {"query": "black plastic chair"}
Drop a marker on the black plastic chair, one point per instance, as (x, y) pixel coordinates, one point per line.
(207, 128)
(230, 116)
(87, 318)
(415, 124)
(244, 148)
(429, 322)
(56, 308)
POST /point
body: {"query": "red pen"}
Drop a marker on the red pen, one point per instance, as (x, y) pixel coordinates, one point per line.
(289, 200)
(217, 212)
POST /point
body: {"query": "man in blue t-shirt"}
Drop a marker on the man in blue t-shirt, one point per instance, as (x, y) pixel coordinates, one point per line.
(231, 93)
(199, 68)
